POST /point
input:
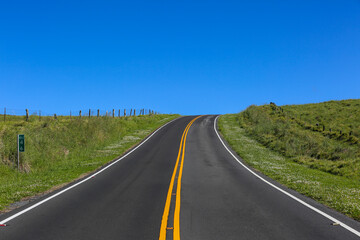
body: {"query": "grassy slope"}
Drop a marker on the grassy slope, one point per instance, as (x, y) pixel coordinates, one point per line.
(59, 151)
(298, 132)
(307, 160)
(338, 115)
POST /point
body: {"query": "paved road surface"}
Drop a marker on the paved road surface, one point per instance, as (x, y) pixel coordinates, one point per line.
(180, 183)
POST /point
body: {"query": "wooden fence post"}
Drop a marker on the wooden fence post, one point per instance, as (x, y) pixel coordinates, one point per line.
(27, 115)
(80, 113)
(119, 112)
(134, 112)
(4, 114)
(113, 113)
(55, 116)
(89, 113)
(124, 112)
(98, 112)
(130, 112)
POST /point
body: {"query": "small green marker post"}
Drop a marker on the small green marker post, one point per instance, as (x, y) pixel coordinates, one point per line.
(21, 148)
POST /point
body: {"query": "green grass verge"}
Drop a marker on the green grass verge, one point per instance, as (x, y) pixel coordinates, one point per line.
(60, 151)
(338, 192)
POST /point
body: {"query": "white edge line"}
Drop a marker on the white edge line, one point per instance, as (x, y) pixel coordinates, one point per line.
(82, 181)
(283, 191)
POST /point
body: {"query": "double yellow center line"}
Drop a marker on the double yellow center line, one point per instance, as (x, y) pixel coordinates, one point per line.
(164, 221)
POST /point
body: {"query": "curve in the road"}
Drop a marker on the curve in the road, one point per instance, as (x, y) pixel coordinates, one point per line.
(336, 221)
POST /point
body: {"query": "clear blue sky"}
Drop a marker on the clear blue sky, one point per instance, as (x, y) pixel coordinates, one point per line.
(187, 57)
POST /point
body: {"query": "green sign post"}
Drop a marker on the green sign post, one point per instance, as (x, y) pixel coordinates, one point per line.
(21, 147)
(21, 141)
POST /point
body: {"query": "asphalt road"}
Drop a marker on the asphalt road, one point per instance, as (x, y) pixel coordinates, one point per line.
(182, 179)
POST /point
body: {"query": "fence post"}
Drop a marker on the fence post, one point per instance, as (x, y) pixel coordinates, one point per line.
(39, 115)
(27, 115)
(98, 112)
(89, 113)
(4, 114)
(119, 112)
(113, 113)
(80, 113)
(55, 116)
(124, 112)
(130, 112)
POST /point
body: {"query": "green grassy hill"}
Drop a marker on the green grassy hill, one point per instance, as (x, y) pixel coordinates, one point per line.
(339, 116)
(323, 136)
(60, 150)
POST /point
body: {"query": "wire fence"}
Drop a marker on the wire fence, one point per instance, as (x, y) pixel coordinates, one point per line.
(8, 114)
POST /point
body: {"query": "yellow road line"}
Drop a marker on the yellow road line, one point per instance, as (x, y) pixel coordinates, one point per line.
(171, 186)
(168, 198)
(176, 232)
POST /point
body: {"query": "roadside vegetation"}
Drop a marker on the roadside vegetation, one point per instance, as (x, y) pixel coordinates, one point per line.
(313, 148)
(61, 150)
